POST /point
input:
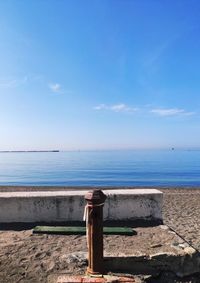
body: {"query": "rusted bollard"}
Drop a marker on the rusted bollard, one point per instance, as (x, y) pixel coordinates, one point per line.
(94, 217)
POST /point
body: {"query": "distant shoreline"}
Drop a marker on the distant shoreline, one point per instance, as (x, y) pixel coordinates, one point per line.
(36, 188)
(19, 151)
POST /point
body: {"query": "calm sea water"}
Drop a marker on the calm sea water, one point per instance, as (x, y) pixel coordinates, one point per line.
(102, 168)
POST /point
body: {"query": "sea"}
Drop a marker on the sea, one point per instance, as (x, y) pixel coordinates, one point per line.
(168, 167)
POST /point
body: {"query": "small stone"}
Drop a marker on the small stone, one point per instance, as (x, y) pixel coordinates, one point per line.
(164, 227)
(175, 244)
(189, 250)
(156, 246)
(50, 266)
(172, 232)
(78, 258)
(183, 246)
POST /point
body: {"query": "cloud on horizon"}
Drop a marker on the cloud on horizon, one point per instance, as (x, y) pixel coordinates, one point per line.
(166, 112)
(121, 107)
(161, 112)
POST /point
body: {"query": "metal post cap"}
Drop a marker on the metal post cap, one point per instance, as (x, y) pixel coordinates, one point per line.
(95, 196)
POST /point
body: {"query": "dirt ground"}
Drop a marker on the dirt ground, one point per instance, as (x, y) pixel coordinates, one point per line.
(30, 258)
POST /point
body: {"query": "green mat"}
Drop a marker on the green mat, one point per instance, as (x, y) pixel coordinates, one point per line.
(77, 230)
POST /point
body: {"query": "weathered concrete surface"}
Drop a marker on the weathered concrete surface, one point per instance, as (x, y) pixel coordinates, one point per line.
(183, 264)
(172, 254)
(53, 206)
(176, 256)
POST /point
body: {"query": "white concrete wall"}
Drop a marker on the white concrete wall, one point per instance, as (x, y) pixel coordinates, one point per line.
(50, 206)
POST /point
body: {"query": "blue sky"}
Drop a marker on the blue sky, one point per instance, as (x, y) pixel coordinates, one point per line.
(114, 74)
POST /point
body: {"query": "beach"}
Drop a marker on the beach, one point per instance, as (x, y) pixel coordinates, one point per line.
(99, 95)
(181, 211)
(27, 257)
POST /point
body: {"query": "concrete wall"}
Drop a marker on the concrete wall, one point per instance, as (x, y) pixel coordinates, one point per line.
(51, 206)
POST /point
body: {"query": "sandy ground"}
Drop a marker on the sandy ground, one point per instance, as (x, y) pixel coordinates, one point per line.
(181, 211)
(29, 258)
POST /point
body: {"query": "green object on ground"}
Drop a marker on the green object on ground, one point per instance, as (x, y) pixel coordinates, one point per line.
(78, 230)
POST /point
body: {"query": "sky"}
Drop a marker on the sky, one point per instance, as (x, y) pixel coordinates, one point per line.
(99, 74)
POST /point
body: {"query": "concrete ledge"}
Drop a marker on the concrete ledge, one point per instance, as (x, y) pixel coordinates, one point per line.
(59, 206)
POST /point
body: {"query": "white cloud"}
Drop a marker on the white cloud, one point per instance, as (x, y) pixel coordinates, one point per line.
(55, 87)
(100, 107)
(121, 107)
(164, 112)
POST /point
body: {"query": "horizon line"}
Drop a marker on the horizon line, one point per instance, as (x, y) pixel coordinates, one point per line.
(103, 149)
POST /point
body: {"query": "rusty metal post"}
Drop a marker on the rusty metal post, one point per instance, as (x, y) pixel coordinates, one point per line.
(95, 201)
